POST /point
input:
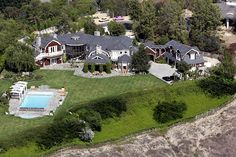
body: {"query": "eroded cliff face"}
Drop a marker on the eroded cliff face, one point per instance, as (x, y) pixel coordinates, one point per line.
(211, 136)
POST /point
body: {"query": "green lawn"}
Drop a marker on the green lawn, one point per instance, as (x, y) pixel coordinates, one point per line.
(140, 104)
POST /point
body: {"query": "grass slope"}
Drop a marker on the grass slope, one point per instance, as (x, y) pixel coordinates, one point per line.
(142, 92)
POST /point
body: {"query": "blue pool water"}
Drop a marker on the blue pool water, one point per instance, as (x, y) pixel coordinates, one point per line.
(36, 101)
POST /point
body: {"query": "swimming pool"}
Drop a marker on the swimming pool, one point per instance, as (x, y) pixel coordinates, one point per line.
(37, 100)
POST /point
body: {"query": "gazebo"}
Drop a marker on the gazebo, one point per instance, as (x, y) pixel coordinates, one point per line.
(18, 90)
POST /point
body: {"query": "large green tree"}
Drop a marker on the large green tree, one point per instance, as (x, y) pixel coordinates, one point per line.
(19, 57)
(134, 10)
(221, 82)
(140, 61)
(171, 22)
(206, 18)
(145, 25)
(116, 28)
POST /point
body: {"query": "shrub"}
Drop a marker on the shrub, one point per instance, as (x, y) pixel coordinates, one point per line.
(93, 118)
(109, 107)
(92, 68)
(8, 75)
(216, 86)
(4, 101)
(68, 128)
(85, 69)
(101, 68)
(168, 111)
(108, 68)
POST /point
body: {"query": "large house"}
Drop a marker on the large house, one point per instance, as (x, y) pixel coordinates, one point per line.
(93, 49)
(174, 52)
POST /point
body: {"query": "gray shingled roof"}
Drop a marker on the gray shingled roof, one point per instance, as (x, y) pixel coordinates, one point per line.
(104, 59)
(181, 47)
(227, 11)
(107, 42)
(199, 58)
(124, 58)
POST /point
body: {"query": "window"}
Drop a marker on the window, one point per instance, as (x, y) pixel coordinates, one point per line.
(52, 49)
(125, 52)
(120, 52)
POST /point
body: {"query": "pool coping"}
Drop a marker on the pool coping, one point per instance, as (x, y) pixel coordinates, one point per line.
(57, 100)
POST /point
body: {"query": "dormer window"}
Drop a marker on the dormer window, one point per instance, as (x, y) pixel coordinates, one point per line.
(192, 56)
(75, 38)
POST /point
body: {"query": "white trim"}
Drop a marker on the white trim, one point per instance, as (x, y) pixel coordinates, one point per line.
(50, 42)
(189, 51)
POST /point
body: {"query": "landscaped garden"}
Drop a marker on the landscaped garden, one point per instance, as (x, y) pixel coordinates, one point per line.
(142, 94)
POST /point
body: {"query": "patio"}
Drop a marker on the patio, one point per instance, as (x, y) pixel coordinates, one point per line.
(28, 113)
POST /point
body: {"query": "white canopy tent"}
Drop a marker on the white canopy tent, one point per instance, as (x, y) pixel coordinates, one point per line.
(18, 90)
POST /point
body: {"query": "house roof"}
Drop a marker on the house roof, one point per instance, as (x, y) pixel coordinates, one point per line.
(103, 59)
(227, 10)
(124, 58)
(107, 42)
(181, 47)
(152, 45)
(199, 59)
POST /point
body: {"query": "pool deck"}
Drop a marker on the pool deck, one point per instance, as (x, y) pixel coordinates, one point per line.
(54, 103)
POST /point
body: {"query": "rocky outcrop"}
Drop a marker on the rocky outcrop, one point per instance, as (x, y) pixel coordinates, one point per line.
(210, 136)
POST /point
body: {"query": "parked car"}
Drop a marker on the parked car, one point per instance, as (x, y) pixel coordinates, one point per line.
(167, 78)
(174, 77)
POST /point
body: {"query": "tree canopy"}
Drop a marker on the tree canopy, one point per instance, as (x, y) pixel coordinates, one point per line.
(140, 61)
(116, 28)
(18, 58)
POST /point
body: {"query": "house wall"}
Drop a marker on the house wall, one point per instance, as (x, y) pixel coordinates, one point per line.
(51, 44)
(115, 54)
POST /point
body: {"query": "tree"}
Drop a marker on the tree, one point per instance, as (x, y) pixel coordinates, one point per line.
(92, 117)
(115, 8)
(116, 29)
(92, 68)
(183, 67)
(171, 22)
(85, 69)
(100, 68)
(19, 58)
(206, 18)
(146, 23)
(168, 111)
(134, 10)
(221, 82)
(90, 27)
(140, 61)
(108, 68)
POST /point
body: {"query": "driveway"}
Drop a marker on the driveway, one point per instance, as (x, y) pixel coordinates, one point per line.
(161, 70)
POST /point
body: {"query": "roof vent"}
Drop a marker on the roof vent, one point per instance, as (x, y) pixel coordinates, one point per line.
(75, 38)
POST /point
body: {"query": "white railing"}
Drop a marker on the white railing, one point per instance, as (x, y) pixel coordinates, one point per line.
(52, 54)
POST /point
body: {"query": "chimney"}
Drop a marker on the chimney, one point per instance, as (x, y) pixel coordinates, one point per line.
(55, 35)
(97, 33)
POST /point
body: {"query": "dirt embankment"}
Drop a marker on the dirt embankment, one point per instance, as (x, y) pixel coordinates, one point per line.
(211, 136)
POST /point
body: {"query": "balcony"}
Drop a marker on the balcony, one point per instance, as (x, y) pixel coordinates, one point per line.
(49, 55)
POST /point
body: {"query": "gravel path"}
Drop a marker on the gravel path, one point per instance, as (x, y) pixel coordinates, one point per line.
(211, 136)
